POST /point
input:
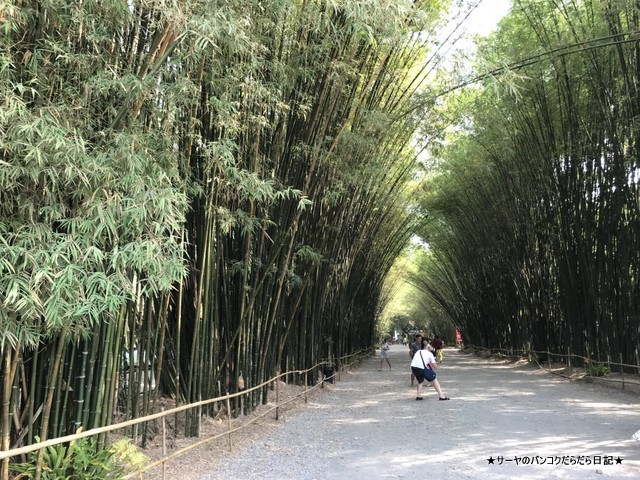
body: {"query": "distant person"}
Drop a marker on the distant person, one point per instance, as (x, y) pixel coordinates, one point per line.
(384, 354)
(437, 345)
(421, 360)
(405, 340)
(415, 346)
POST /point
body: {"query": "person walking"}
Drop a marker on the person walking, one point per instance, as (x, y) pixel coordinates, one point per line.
(423, 360)
(413, 348)
(384, 354)
(438, 346)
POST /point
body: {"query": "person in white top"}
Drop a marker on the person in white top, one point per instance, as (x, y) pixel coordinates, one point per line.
(384, 354)
(424, 358)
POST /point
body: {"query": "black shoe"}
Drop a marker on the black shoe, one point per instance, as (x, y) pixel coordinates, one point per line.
(420, 398)
(444, 398)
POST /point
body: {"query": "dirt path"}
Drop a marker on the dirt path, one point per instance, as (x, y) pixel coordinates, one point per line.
(369, 425)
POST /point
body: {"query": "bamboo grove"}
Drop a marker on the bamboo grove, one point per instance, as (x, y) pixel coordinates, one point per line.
(534, 219)
(195, 195)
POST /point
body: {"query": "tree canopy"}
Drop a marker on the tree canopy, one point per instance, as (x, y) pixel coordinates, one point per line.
(533, 216)
(196, 192)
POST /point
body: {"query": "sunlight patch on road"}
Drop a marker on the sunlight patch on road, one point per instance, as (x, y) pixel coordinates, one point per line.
(599, 408)
(491, 395)
(368, 403)
(352, 421)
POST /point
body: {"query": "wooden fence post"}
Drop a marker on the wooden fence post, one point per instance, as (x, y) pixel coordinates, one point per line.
(164, 445)
(569, 361)
(305, 386)
(277, 392)
(621, 371)
(229, 422)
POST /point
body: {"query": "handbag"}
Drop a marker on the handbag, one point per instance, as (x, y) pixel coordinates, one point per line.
(428, 373)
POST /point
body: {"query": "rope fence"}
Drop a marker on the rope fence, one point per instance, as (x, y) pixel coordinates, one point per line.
(571, 360)
(342, 363)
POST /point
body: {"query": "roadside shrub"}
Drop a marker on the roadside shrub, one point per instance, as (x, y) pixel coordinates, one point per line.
(81, 460)
(597, 370)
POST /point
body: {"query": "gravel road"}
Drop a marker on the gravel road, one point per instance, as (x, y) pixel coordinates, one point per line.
(369, 426)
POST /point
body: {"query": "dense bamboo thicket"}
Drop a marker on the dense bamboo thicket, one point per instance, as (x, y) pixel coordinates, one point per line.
(534, 221)
(193, 193)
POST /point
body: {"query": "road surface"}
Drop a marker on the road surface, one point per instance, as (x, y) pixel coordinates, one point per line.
(503, 421)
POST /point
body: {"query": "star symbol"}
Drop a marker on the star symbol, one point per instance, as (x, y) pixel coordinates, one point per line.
(618, 460)
(491, 460)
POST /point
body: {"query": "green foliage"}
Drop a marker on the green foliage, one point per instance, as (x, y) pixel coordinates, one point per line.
(89, 216)
(529, 190)
(307, 253)
(411, 306)
(597, 370)
(82, 461)
(259, 146)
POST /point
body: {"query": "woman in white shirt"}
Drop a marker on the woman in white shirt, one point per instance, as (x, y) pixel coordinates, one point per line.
(424, 358)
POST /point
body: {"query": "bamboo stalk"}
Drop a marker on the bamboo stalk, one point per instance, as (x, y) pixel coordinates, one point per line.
(61, 413)
(9, 362)
(87, 417)
(114, 369)
(133, 382)
(80, 384)
(146, 361)
(178, 389)
(160, 343)
(49, 401)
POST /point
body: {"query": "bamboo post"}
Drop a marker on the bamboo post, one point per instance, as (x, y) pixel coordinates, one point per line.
(305, 387)
(229, 422)
(277, 394)
(164, 445)
(549, 359)
(621, 370)
(569, 361)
